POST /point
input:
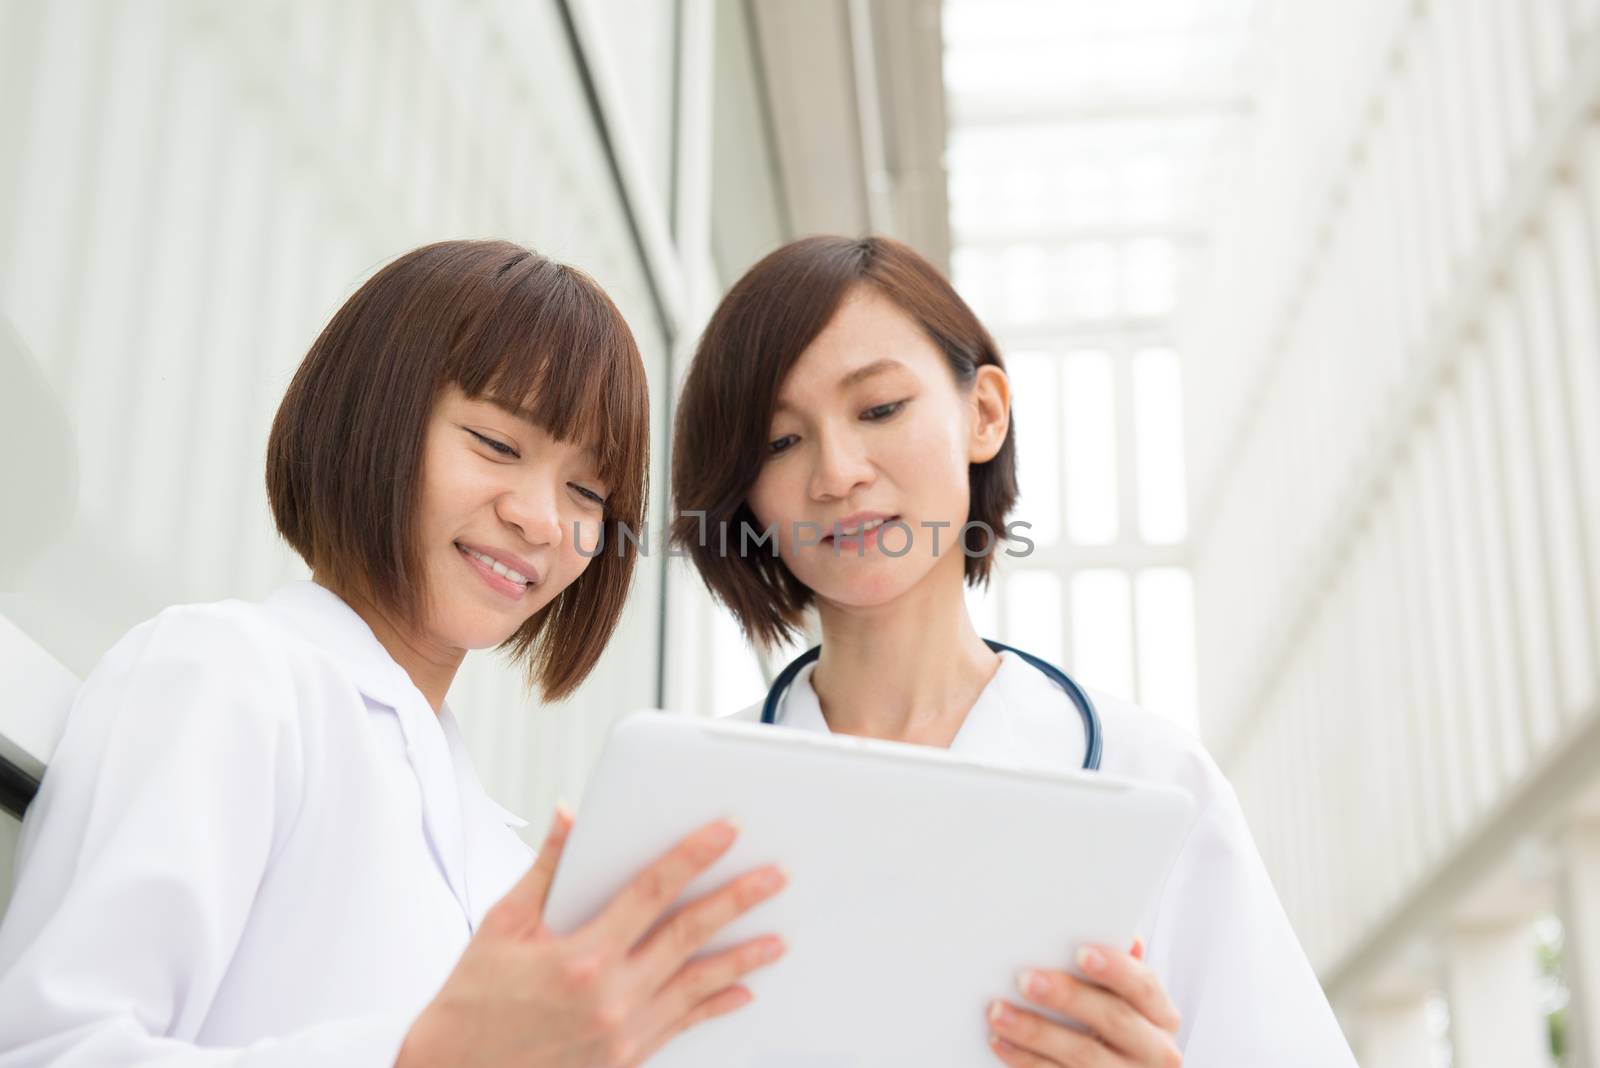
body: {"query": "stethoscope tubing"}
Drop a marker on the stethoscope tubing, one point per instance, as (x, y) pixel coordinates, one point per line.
(1091, 718)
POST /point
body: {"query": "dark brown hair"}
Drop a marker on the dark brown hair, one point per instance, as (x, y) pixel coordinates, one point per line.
(345, 456)
(725, 410)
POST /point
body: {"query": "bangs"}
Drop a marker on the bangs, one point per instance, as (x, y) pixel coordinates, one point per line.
(553, 349)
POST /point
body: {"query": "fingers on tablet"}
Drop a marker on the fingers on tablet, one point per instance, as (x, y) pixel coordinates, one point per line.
(634, 911)
(523, 904)
(710, 986)
(1132, 980)
(718, 1004)
(687, 932)
(1115, 1022)
(702, 979)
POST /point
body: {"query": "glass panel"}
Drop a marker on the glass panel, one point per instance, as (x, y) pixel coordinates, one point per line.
(1090, 281)
(1089, 417)
(1158, 446)
(1149, 277)
(1027, 285)
(974, 274)
(1150, 186)
(1145, 171)
(1051, 48)
(1102, 631)
(1093, 113)
(1038, 422)
(1167, 682)
(1033, 613)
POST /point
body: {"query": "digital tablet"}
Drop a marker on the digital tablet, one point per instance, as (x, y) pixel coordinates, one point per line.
(920, 882)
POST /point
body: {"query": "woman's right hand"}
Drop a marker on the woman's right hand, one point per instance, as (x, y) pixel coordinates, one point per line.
(609, 994)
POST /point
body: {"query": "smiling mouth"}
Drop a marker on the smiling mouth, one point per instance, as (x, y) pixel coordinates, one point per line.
(496, 566)
(859, 531)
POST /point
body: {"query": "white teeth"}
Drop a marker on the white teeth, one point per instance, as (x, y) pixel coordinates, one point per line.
(864, 527)
(497, 567)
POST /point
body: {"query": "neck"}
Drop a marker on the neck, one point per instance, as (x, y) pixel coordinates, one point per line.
(909, 670)
(431, 667)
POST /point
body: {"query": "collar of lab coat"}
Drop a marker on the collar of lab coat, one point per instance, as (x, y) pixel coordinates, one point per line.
(458, 816)
(324, 619)
(1021, 717)
(327, 621)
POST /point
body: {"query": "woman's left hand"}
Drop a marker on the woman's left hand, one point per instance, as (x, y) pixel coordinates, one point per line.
(1131, 1020)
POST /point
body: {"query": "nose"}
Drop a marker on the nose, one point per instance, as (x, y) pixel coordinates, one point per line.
(531, 510)
(841, 466)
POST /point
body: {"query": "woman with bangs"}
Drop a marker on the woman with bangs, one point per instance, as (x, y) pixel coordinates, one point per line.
(261, 841)
(845, 430)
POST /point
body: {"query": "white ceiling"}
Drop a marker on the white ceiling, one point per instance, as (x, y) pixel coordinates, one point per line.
(1085, 131)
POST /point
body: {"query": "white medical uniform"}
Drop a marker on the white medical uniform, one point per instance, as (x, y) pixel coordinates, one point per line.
(1217, 936)
(256, 845)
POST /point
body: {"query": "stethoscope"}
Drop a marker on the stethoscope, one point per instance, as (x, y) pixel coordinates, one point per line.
(1091, 719)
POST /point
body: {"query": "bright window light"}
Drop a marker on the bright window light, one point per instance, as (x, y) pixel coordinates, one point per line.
(1102, 631)
(1034, 390)
(1166, 643)
(1033, 613)
(1088, 406)
(1158, 446)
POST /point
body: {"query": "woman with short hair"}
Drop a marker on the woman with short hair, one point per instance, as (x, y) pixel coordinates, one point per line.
(261, 840)
(844, 443)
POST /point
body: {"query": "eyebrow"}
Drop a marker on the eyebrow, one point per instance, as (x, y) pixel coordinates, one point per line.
(876, 367)
(856, 377)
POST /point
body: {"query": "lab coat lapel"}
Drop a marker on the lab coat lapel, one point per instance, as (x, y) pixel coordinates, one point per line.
(327, 620)
(429, 755)
(1024, 719)
(799, 708)
(988, 732)
(493, 856)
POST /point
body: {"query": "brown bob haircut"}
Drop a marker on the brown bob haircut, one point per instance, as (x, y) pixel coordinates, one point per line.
(755, 336)
(344, 460)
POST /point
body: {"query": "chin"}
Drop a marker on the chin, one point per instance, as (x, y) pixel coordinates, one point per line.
(473, 631)
(874, 589)
(859, 598)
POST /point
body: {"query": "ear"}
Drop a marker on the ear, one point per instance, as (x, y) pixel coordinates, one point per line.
(990, 407)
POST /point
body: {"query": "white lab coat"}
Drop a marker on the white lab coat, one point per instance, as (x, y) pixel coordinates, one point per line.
(255, 845)
(1217, 937)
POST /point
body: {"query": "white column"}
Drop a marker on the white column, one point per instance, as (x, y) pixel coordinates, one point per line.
(687, 642)
(1580, 920)
(1492, 977)
(1395, 1034)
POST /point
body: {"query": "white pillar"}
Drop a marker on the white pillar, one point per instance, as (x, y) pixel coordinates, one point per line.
(1580, 921)
(1492, 977)
(688, 642)
(1395, 1034)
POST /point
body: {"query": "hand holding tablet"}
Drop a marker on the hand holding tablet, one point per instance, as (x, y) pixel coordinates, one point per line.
(1121, 1002)
(921, 883)
(609, 992)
